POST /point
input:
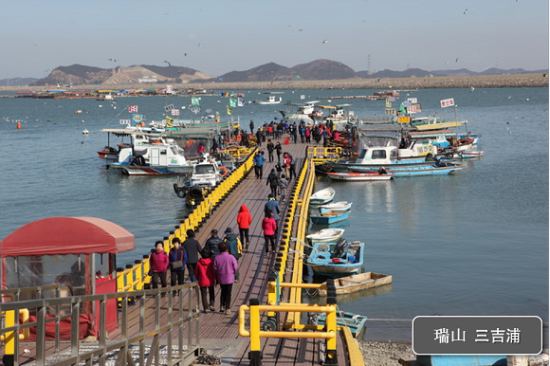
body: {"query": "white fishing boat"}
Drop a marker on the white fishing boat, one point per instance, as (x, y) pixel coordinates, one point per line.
(304, 113)
(153, 159)
(323, 196)
(325, 235)
(336, 206)
(206, 175)
(271, 99)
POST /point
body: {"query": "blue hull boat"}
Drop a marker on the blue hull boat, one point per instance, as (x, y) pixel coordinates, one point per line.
(425, 169)
(336, 259)
(330, 217)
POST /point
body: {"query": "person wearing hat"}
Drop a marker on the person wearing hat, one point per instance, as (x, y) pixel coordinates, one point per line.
(206, 277)
(273, 206)
(225, 267)
(192, 248)
(234, 247)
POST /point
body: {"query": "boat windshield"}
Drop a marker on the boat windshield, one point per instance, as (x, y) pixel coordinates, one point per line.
(204, 169)
(379, 154)
(362, 153)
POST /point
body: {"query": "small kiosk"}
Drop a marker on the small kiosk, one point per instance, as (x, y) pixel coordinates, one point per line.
(79, 253)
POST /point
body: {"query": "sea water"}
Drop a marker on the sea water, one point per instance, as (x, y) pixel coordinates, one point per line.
(471, 243)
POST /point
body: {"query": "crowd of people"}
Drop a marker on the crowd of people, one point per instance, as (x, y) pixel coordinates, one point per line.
(217, 261)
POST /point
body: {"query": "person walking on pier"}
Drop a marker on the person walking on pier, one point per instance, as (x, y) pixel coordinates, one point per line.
(259, 161)
(192, 248)
(279, 150)
(212, 243)
(273, 182)
(158, 260)
(234, 246)
(269, 226)
(259, 136)
(283, 184)
(273, 207)
(177, 259)
(270, 148)
(225, 267)
(207, 279)
(251, 126)
(244, 220)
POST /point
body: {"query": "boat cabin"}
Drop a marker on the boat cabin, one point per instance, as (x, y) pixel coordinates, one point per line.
(386, 155)
(153, 155)
(206, 173)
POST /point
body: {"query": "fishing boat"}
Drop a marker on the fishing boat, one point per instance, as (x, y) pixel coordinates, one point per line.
(336, 259)
(335, 206)
(358, 177)
(356, 323)
(323, 196)
(206, 175)
(330, 217)
(358, 282)
(439, 168)
(304, 113)
(271, 99)
(326, 235)
(153, 159)
(472, 154)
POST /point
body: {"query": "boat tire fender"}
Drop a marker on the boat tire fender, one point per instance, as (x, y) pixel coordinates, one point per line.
(223, 171)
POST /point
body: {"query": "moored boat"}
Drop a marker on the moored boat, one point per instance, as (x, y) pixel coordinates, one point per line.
(355, 322)
(153, 160)
(326, 235)
(335, 206)
(271, 99)
(440, 168)
(323, 196)
(336, 259)
(330, 217)
(206, 175)
(358, 177)
(358, 282)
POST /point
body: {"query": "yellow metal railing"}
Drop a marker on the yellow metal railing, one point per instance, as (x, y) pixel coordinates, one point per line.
(135, 277)
(322, 154)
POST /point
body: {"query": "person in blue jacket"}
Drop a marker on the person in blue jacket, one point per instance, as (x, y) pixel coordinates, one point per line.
(259, 161)
(273, 206)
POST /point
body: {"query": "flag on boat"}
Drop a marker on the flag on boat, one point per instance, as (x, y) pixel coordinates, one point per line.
(392, 99)
(133, 108)
(168, 89)
(175, 112)
(240, 102)
(232, 102)
(169, 121)
(195, 101)
(137, 118)
(217, 117)
(388, 103)
(447, 102)
(168, 108)
(228, 110)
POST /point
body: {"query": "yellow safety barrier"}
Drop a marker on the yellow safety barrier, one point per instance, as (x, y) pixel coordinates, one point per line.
(322, 154)
(9, 337)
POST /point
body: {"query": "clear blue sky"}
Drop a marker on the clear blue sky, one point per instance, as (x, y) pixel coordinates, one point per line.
(222, 36)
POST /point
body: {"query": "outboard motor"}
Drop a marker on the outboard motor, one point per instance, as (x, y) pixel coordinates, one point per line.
(340, 248)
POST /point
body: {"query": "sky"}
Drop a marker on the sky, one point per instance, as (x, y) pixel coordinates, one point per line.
(216, 36)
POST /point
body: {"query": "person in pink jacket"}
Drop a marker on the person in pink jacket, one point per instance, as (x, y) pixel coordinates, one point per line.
(158, 260)
(269, 226)
(243, 220)
(225, 266)
(204, 272)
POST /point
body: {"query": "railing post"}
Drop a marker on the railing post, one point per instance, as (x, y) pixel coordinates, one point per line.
(331, 356)
(9, 345)
(255, 354)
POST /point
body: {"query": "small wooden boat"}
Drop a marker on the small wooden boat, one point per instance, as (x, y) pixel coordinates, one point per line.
(323, 196)
(358, 177)
(355, 322)
(472, 154)
(330, 217)
(336, 206)
(326, 235)
(358, 282)
(336, 259)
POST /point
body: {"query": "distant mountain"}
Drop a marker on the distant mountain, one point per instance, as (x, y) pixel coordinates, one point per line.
(17, 81)
(147, 74)
(151, 74)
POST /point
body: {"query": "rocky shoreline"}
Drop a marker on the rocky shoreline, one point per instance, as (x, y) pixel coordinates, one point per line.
(478, 81)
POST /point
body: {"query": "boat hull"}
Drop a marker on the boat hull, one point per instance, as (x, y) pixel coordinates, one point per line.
(330, 217)
(415, 171)
(358, 177)
(323, 196)
(134, 170)
(338, 206)
(358, 282)
(332, 236)
(326, 263)
(355, 323)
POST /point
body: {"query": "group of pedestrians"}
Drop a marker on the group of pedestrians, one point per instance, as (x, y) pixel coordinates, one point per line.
(218, 265)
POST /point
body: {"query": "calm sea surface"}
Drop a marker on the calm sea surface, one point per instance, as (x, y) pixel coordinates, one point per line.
(472, 243)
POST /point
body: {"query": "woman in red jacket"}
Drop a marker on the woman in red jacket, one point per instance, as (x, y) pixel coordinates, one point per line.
(269, 226)
(204, 272)
(243, 220)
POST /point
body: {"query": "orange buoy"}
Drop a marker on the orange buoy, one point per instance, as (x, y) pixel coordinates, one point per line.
(18, 125)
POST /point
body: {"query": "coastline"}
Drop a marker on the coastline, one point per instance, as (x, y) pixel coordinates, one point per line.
(439, 82)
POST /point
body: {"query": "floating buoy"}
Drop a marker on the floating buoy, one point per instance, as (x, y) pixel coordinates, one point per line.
(18, 125)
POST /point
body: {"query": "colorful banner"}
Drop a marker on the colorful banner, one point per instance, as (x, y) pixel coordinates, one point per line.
(169, 107)
(388, 103)
(137, 118)
(228, 110)
(240, 102)
(168, 89)
(175, 112)
(133, 108)
(232, 102)
(195, 101)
